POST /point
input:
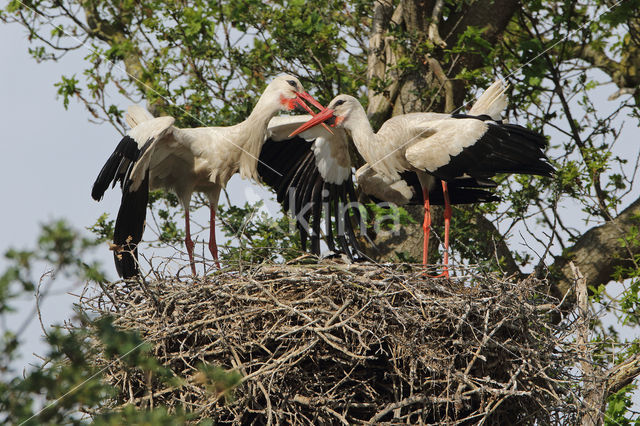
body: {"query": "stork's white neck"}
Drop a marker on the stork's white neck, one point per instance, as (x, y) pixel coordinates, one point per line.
(267, 106)
(377, 151)
(362, 134)
(254, 129)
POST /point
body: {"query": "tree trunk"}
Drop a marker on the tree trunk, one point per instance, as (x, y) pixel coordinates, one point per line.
(587, 254)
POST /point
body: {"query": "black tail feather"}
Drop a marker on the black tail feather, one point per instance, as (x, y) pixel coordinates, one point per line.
(461, 196)
(129, 228)
(465, 190)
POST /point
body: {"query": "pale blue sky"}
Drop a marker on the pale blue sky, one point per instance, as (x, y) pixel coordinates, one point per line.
(50, 159)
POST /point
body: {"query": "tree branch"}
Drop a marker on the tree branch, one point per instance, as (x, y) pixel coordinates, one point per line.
(113, 33)
(623, 374)
(500, 248)
(597, 254)
(596, 57)
(381, 58)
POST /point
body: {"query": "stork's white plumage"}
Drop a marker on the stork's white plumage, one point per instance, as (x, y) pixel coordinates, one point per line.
(463, 190)
(155, 154)
(438, 146)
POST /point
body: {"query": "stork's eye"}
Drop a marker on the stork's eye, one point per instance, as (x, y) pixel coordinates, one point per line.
(338, 103)
(293, 84)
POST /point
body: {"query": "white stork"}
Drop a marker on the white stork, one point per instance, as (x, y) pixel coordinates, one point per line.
(439, 146)
(155, 154)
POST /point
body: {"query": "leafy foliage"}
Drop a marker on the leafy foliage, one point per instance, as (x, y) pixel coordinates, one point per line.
(69, 385)
(258, 237)
(619, 405)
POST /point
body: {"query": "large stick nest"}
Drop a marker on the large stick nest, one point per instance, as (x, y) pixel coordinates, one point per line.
(345, 344)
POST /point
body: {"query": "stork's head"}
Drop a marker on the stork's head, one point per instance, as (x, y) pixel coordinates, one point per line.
(337, 113)
(289, 93)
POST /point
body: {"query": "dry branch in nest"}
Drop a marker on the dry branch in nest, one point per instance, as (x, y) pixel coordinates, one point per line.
(337, 343)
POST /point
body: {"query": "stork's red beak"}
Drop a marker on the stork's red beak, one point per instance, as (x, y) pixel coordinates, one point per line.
(304, 96)
(301, 97)
(321, 117)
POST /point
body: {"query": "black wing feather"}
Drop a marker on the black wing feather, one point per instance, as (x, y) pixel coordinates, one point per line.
(316, 214)
(289, 167)
(503, 148)
(297, 189)
(348, 225)
(339, 221)
(293, 184)
(327, 214)
(276, 159)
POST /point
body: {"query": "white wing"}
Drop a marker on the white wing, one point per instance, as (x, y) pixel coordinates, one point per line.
(147, 135)
(441, 140)
(331, 151)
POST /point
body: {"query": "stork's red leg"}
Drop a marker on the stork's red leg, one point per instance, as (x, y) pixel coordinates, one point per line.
(426, 226)
(187, 241)
(447, 224)
(213, 247)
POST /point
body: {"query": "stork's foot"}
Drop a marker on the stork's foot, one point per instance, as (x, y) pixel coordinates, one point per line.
(443, 274)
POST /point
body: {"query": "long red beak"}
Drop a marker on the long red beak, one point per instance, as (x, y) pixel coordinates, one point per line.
(302, 96)
(307, 97)
(321, 117)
